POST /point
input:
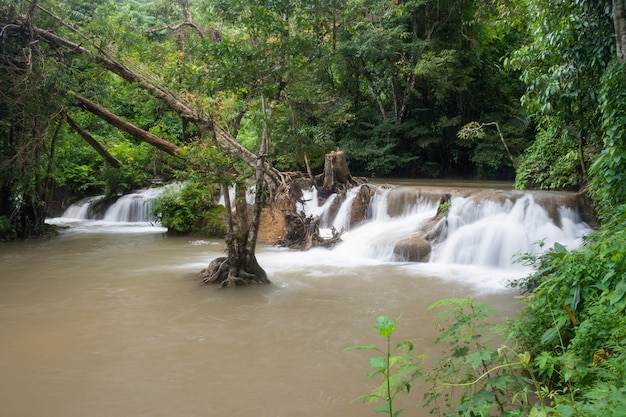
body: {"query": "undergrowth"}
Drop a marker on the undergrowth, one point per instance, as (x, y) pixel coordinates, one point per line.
(564, 356)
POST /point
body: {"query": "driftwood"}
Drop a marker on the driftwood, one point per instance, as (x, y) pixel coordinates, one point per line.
(303, 232)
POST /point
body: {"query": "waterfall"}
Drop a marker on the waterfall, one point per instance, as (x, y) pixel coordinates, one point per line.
(129, 212)
(483, 228)
(135, 207)
(83, 209)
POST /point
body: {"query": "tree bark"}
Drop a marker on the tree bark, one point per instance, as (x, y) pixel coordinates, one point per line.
(619, 26)
(92, 142)
(337, 176)
(127, 127)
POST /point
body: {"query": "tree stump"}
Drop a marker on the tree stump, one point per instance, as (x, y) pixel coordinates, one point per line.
(336, 176)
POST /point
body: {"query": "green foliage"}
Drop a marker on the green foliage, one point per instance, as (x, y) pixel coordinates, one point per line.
(79, 178)
(550, 163)
(574, 321)
(566, 50)
(190, 209)
(609, 170)
(397, 367)
(558, 372)
(470, 378)
(493, 154)
(473, 378)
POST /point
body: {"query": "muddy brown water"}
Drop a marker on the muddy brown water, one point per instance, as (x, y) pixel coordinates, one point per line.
(101, 324)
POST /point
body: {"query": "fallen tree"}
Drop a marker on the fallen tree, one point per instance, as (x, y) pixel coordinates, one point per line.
(280, 189)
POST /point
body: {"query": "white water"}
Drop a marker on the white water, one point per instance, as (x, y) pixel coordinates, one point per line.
(484, 236)
(486, 230)
(129, 213)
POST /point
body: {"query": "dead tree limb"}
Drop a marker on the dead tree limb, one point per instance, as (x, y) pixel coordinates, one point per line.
(97, 146)
(174, 101)
(126, 126)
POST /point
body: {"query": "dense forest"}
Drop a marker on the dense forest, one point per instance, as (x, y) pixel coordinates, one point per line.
(106, 96)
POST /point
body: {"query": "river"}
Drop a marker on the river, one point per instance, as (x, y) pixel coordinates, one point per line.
(110, 321)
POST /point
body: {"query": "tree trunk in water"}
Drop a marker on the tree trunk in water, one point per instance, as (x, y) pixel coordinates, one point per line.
(241, 266)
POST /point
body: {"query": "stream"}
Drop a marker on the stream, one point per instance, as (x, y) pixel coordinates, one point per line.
(108, 318)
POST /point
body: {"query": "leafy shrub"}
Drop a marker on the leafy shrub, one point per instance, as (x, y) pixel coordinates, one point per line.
(469, 379)
(190, 209)
(609, 170)
(80, 179)
(574, 321)
(550, 163)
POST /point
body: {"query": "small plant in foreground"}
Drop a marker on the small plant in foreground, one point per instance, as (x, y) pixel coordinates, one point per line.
(397, 368)
(470, 379)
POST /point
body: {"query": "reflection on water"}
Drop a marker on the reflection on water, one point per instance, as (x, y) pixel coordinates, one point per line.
(101, 324)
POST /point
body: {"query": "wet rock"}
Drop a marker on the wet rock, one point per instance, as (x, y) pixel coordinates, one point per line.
(413, 249)
(361, 203)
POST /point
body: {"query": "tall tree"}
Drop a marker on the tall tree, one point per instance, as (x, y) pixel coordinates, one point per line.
(569, 47)
(30, 118)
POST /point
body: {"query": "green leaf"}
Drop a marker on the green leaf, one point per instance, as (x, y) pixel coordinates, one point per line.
(406, 345)
(386, 326)
(575, 297)
(618, 293)
(549, 335)
(378, 363)
(560, 249)
(363, 348)
(476, 359)
(383, 408)
(537, 412)
(524, 358)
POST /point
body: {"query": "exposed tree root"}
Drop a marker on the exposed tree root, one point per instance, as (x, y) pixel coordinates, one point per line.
(223, 273)
(304, 233)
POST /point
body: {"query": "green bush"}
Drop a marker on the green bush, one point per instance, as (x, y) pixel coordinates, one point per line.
(550, 163)
(609, 169)
(574, 322)
(471, 378)
(190, 209)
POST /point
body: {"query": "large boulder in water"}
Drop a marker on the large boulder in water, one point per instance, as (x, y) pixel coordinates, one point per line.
(413, 249)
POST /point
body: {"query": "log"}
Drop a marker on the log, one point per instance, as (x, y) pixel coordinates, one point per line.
(92, 142)
(126, 126)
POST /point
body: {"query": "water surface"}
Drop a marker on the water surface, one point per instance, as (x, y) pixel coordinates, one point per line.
(114, 324)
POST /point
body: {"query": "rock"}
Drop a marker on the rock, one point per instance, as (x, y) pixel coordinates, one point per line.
(413, 249)
(361, 204)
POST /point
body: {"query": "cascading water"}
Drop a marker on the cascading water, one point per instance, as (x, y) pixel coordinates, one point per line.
(482, 228)
(130, 212)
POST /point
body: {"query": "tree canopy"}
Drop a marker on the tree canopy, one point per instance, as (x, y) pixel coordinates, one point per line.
(389, 82)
